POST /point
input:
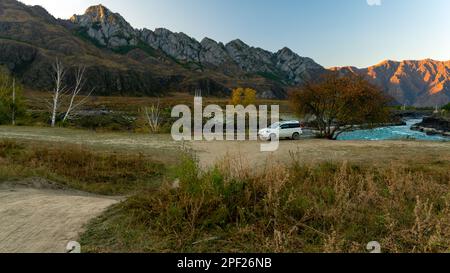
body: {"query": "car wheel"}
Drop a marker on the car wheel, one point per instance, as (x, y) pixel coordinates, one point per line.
(296, 136)
(273, 137)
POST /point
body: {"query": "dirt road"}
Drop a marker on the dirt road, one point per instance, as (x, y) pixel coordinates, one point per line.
(315, 150)
(40, 218)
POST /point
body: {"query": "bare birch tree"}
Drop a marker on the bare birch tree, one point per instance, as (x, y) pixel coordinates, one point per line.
(79, 84)
(13, 110)
(59, 90)
(153, 114)
(62, 95)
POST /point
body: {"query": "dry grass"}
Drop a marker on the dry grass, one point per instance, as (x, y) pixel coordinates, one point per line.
(296, 208)
(309, 151)
(36, 101)
(396, 193)
(77, 167)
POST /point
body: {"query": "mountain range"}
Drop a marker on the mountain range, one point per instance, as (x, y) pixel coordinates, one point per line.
(418, 83)
(122, 60)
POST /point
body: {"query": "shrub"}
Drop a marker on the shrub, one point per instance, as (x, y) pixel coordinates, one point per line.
(243, 96)
(113, 122)
(302, 208)
(446, 107)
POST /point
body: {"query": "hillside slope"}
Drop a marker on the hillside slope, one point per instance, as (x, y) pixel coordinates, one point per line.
(418, 83)
(123, 60)
(31, 40)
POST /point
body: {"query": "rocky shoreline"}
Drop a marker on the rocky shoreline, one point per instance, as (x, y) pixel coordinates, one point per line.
(434, 125)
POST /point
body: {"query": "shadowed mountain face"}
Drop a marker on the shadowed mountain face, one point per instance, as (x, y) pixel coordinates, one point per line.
(123, 60)
(418, 83)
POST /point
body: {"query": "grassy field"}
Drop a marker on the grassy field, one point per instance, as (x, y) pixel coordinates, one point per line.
(309, 196)
(119, 114)
(76, 167)
(36, 101)
(295, 208)
(316, 151)
(159, 146)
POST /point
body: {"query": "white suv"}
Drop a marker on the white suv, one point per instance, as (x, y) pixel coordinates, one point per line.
(285, 129)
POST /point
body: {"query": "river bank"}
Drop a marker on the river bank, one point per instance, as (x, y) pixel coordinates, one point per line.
(400, 132)
(434, 125)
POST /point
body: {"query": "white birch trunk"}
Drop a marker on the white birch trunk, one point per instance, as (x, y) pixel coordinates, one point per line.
(13, 114)
(59, 89)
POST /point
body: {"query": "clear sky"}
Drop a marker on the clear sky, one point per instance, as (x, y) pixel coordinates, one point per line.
(332, 32)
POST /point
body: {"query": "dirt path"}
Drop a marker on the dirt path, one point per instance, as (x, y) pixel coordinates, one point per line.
(42, 219)
(315, 150)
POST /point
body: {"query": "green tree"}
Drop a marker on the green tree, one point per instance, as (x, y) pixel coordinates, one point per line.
(446, 107)
(12, 104)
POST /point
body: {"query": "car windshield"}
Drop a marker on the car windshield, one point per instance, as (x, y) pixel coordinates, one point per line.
(275, 125)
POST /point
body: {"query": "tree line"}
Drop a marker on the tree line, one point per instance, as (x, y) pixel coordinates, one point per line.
(332, 105)
(12, 105)
(64, 101)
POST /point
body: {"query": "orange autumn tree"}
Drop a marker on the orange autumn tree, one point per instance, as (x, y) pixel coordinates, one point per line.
(249, 97)
(243, 96)
(341, 104)
(236, 96)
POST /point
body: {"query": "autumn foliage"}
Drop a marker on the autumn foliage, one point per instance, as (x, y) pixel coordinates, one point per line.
(243, 96)
(339, 104)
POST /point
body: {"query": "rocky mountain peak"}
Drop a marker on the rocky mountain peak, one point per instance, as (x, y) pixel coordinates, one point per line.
(235, 58)
(285, 51)
(33, 37)
(421, 83)
(99, 11)
(208, 41)
(238, 43)
(387, 64)
(107, 28)
(286, 55)
(213, 52)
(177, 45)
(295, 67)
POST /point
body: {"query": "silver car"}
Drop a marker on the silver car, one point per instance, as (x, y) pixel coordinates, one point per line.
(286, 129)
